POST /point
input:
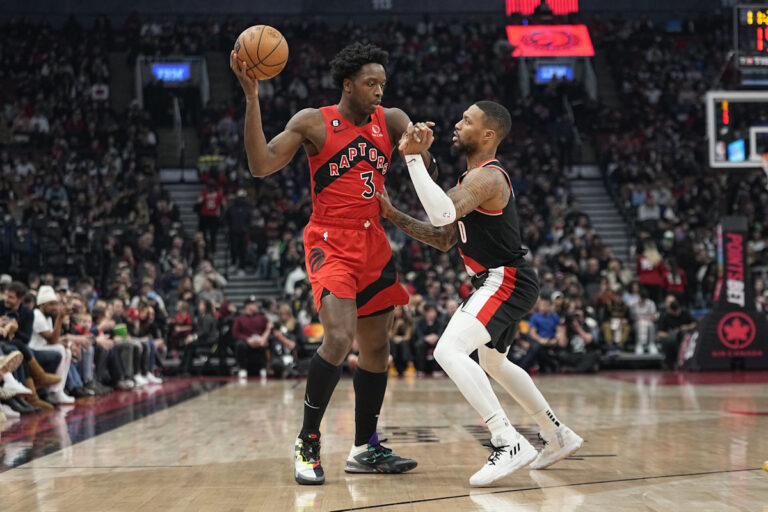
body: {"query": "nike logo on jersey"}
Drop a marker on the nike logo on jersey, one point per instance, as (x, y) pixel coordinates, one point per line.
(412, 160)
(337, 130)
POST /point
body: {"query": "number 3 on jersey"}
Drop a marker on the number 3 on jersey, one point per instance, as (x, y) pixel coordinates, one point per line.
(368, 177)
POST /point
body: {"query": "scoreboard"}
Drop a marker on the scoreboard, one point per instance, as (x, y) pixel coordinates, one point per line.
(751, 35)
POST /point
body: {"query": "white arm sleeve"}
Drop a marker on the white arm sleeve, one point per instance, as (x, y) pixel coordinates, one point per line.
(439, 207)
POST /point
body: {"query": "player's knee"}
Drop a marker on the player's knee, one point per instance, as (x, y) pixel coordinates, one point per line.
(380, 351)
(336, 346)
(443, 351)
(490, 359)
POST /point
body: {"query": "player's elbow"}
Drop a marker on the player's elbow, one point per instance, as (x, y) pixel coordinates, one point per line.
(443, 216)
(259, 169)
(257, 172)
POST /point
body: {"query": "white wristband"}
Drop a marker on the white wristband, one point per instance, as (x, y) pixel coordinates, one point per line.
(439, 207)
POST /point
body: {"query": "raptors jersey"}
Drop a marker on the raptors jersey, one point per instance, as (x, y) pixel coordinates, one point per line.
(490, 239)
(351, 166)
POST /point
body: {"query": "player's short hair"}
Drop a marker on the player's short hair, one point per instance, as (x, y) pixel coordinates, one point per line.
(351, 58)
(497, 116)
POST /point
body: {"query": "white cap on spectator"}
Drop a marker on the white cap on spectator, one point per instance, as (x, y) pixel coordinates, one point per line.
(6, 279)
(45, 295)
(555, 296)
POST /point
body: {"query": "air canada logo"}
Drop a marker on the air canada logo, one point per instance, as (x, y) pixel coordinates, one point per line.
(736, 331)
(316, 258)
(551, 40)
(376, 130)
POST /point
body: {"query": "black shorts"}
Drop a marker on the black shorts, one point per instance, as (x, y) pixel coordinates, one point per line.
(503, 296)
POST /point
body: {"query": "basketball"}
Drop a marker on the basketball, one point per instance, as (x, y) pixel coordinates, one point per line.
(263, 49)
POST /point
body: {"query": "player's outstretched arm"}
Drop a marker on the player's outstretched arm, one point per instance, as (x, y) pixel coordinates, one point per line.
(479, 186)
(439, 237)
(267, 158)
(398, 122)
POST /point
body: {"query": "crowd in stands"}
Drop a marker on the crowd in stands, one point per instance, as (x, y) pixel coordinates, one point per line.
(578, 272)
(654, 159)
(80, 197)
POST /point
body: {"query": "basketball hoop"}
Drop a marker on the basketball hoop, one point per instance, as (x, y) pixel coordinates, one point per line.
(764, 161)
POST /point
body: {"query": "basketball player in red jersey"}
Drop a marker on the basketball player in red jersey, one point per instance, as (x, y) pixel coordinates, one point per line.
(479, 215)
(349, 260)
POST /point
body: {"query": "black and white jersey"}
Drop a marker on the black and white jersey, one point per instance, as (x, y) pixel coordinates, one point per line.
(490, 239)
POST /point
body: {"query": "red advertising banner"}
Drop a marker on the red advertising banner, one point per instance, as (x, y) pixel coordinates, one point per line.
(526, 7)
(550, 40)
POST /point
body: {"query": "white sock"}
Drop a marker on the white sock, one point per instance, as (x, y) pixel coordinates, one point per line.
(547, 421)
(502, 432)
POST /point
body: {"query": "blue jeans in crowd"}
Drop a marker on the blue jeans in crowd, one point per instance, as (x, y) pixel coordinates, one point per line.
(73, 378)
(85, 364)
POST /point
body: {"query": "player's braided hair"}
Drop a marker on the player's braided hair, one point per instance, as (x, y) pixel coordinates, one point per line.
(351, 58)
(497, 116)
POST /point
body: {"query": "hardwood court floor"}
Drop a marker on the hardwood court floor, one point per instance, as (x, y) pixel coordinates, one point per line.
(662, 442)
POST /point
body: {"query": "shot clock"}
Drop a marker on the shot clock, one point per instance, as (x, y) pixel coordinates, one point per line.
(751, 35)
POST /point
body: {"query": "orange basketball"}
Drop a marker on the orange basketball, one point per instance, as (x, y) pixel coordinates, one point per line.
(264, 51)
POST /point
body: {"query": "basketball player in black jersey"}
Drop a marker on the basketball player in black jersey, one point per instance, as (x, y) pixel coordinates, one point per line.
(479, 215)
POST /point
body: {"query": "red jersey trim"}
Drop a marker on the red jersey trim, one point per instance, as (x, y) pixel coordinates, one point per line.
(472, 264)
(498, 298)
(489, 212)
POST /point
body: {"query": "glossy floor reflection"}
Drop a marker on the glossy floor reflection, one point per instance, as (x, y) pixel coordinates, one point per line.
(36, 435)
(662, 442)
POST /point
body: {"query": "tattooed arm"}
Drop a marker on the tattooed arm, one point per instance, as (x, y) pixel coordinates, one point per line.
(481, 186)
(442, 238)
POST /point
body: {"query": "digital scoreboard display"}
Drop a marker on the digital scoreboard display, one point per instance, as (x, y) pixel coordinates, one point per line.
(545, 73)
(751, 35)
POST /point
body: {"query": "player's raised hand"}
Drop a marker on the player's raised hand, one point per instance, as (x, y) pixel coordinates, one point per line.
(250, 85)
(417, 138)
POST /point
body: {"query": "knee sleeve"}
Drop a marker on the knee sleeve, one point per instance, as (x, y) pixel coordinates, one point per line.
(513, 379)
(463, 335)
(491, 359)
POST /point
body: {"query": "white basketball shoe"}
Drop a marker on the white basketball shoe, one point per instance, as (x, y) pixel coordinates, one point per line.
(505, 458)
(557, 446)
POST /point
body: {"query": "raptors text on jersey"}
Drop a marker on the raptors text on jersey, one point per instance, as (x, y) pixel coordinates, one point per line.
(350, 169)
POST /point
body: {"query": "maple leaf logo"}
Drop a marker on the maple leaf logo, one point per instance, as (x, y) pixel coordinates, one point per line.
(736, 330)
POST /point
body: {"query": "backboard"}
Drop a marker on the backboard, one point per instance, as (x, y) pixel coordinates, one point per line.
(737, 128)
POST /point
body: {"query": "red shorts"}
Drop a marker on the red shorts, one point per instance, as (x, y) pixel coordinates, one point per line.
(352, 259)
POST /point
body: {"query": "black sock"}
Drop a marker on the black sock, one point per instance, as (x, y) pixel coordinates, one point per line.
(369, 395)
(321, 381)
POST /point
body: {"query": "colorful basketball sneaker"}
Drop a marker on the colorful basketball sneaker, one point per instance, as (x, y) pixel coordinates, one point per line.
(307, 469)
(375, 458)
(563, 443)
